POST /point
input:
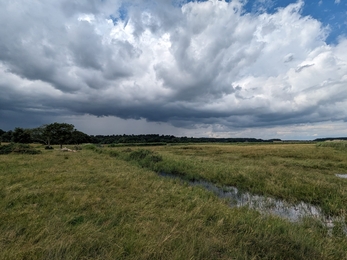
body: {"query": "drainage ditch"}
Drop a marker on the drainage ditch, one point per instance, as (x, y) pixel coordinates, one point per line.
(270, 206)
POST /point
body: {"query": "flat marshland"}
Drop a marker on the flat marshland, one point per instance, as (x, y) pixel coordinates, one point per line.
(110, 203)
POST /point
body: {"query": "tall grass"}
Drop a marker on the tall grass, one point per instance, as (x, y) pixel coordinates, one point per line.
(337, 144)
(88, 205)
(294, 172)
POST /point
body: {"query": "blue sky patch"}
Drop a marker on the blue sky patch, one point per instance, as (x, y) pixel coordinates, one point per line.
(329, 12)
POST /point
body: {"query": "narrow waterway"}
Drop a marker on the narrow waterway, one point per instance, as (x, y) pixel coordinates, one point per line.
(271, 206)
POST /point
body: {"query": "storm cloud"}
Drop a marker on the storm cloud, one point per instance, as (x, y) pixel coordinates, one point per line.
(187, 64)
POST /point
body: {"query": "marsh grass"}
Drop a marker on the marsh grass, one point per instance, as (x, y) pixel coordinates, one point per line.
(89, 205)
(336, 144)
(294, 172)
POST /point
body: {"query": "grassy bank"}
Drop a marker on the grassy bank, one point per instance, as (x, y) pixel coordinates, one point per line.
(88, 205)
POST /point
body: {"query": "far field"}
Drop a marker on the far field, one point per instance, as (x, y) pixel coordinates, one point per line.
(110, 203)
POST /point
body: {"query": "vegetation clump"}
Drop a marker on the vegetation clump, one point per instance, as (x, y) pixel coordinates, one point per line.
(18, 148)
(144, 158)
(336, 144)
(6, 149)
(90, 147)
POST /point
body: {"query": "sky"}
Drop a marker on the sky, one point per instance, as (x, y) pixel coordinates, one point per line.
(258, 68)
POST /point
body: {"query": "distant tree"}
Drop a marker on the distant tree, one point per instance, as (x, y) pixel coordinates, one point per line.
(7, 137)
(59, 133)
(21, 135)
(1, 133)
(40, 135)
(79, 137)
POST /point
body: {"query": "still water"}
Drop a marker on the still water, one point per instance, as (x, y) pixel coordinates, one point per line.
(271, 206)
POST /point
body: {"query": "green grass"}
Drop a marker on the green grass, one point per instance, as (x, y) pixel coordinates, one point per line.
(89, 205)
(337, 144)
(294, 172)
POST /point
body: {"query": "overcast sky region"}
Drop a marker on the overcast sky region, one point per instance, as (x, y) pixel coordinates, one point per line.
(257, 68)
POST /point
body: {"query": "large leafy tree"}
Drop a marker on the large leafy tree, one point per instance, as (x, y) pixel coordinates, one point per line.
(21, 135)
(7, 137)
(79, 137)
(39, 134)
(58, 133)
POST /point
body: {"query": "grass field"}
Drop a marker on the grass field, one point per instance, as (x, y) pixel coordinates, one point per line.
(294, 172)
(109, 203)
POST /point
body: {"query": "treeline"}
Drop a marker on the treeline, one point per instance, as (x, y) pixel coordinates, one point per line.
(169, 139)
(62, 133)
(56, 133)
(330, 139)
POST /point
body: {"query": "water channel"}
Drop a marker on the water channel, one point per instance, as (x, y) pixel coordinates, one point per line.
(271, 206)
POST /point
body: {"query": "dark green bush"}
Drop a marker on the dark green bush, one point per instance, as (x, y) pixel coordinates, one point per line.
(6, 149)
(90, 147)
(18, 148)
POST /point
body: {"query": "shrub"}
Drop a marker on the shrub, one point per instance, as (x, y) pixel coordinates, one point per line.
(90, 147)
(145, 158)
(6, 149)
(18, 148)
(139, 154)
